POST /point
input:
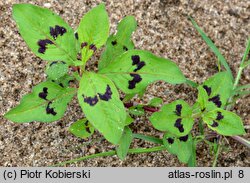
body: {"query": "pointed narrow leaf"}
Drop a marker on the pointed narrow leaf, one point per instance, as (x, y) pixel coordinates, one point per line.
(180, 146)
(120, 42)
(101, 105)
(46, 33)
(56, 70)
(82, 128)
(47, 102)
(175, 118)
(212, 46)
(224, 122)
(93, 31)
(135, 69)
(124, 143)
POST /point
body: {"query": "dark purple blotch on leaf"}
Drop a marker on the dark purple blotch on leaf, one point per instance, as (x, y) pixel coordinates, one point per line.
(178, 109)
(84, 44)
(139, 66)
(179, 125)
(215, 124)
(208, 89)
(43, 45)
(170, 140)
(107, 95)
(135, 59)
(58, 30)
(76, 36)
(219, 116)
(216, 100)
(90, 100)
(114, 42)
(92, 47)
(125, 48)
(184, 138)
(136, 79)
(44, 93)
(50, 110)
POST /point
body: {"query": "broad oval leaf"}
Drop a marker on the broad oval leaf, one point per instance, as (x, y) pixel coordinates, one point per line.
(93, 31)
(56, 70)
(215, 91)
(224, 122)
(135, 69)
(47, 102)
(124, 143)
(155, 102)
(118, 43)
(46, 33)
(82, 128)
(180, 146)
(175, 118)
(101, 105)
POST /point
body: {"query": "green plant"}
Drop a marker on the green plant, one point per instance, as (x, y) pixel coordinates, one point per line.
(120, 67)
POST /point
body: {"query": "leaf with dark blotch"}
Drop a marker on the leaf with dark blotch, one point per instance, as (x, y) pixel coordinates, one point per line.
(46, 33)
(82, 128)
(34, 108)
(208, 90)
(224, 122)
(44, 93)
(90, 100)
(58, 30)
(150, 68)
(167, 120)
(178, 109)
(179, 146)
(107, 95)
(217, 92)
(94, 30)
(108, 115)
(119, 43)
(216, 100)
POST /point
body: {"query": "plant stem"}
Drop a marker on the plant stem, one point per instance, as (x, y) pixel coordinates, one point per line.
(111, 153)
(242, 141)
(216, 155)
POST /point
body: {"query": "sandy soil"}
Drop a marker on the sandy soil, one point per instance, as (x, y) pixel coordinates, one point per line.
(163, 28)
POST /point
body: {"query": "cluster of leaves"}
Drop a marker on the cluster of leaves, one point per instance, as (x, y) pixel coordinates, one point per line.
(121, 67)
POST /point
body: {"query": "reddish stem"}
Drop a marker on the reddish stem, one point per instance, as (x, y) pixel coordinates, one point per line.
(150, 109)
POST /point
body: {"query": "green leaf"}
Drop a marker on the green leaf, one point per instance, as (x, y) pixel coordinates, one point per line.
(47, 102)
(182, 146)
(175, 118)
(136, 110)
(82, 128)
(224, 122)
(47, 35)
(212, 46)
(218, 89)
(56, 70)
(124, 143)
(120, 42)
(135, 69)
(155, 102)
(93, 30)
(244, 64)
(101, 105)
(129, 120)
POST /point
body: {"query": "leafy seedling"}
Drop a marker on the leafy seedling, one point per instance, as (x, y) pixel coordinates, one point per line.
(121, 67)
